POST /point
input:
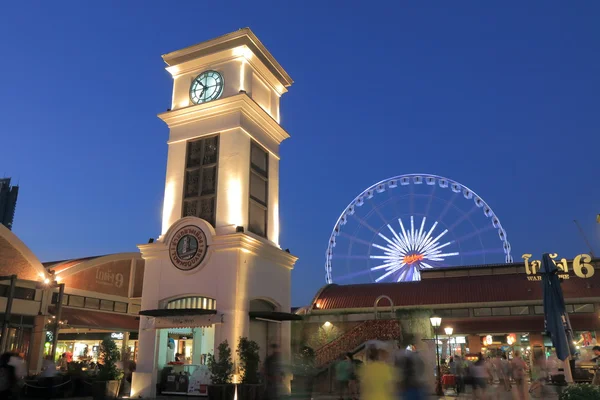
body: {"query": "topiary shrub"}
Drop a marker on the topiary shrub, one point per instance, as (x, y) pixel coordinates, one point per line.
(247, 352)
(221, 370)
(580, 391)
(110, 354)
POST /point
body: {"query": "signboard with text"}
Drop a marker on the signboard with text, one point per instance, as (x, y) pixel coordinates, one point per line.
(580, 266)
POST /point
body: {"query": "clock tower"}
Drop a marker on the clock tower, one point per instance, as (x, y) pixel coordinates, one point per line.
(217, 267)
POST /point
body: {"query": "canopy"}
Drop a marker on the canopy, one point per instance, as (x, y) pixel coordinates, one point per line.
(556, 319)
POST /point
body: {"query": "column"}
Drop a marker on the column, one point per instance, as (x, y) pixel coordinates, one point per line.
(36, 347)
(197, 348)
(474, 343)
(145, 377)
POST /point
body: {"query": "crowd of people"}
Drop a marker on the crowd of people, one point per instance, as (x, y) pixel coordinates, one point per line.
(386, 375)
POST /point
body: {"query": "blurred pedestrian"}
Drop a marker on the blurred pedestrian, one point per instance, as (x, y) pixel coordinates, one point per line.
(48, 374)
(377, 377)
(273, 373)
(480, 375)
(8, 378)
(411, 369)
(518, 367)
(343, 372)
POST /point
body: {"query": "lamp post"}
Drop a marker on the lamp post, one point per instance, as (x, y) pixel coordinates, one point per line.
(449, 331)
(436, 322)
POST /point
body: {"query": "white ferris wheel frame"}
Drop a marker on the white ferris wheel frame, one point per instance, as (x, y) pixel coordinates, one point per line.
(405, 180)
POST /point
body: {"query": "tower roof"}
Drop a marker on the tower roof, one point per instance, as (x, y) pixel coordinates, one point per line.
(242, 37)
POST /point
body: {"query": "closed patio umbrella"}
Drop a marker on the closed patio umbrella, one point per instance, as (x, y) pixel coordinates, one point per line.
(556, 319)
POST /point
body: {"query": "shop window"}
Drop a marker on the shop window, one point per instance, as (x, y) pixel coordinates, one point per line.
(107, 305)
(460, 312)
(583, 308)
(538, 310)
(259, 189)
(444, 313)
(92, 303)
(482, 312)
(20, 292)
(120, 307)
(55, 299)
(200, 187)
(498, 311)
(519, 310)
(569, 308)
(76, 301)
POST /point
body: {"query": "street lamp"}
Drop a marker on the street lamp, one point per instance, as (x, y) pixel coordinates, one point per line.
(436, 322)
(449, 331)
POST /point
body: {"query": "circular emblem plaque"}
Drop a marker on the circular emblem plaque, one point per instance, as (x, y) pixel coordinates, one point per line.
(188, 247)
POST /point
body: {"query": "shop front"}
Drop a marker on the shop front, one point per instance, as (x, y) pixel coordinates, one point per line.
(85, 347)
(186, 338)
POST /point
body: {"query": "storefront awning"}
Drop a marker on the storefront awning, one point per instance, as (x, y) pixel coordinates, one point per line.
(177, 312)
(179, 318)
(274, 316)
(99, 320)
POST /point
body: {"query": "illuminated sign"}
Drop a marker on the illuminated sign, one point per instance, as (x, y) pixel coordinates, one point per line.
(581, 267)
(511, 338)
(413, 258)
(49, 336)
(488, 340)
(117, 335)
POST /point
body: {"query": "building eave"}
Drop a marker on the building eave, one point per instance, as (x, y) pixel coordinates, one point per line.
(242, 37)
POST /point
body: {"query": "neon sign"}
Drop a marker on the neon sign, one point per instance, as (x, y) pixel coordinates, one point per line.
(581, 267)
(413, 258)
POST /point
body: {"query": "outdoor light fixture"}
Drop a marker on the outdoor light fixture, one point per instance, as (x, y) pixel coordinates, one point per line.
(327, 324)
(436, 321)
(449, 330)
(239, 229)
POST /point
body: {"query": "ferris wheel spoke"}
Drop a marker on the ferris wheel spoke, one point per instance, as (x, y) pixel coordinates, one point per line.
(394, 245)
(355, 239)
(441, 257)
(433, 243)
(462, 218)
(426, 265)
(399, 241)
(382, 277)
(364, 223)
(384, 266)
(475, 233)
(428, 239)
(404, 235)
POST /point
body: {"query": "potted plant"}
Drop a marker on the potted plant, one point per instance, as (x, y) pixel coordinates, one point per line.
(221, 372)
(580, 391)
(249, 359)
(108, 381)
(304, 370)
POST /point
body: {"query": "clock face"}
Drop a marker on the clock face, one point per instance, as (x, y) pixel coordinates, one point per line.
(206, 87)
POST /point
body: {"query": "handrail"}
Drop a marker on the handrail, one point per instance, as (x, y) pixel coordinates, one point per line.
(358, 335)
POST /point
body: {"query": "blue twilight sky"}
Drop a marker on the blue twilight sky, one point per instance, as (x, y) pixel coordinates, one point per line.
(501, 96)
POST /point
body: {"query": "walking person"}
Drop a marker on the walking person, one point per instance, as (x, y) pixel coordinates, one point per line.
(377, 377)
(480, 375)
(518, 368)
(411, 369)
(273, 373)
(343, 373)
(8, 378)
(47, 375)
(596, 360)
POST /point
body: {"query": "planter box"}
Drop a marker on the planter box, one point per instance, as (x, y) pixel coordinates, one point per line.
(221, 392)
(247, 391)
(105, 390)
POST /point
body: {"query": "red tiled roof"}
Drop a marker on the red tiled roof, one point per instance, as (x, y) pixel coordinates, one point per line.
(448, 291)
(99, 320)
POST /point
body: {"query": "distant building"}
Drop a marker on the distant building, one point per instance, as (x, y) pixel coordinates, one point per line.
(8, 202)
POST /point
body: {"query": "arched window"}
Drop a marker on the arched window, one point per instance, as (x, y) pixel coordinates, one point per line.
(191, 302)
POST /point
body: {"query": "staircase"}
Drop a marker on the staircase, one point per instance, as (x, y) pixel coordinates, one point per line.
(352, 340)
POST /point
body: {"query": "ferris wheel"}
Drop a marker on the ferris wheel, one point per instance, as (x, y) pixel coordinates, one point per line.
(403, 225)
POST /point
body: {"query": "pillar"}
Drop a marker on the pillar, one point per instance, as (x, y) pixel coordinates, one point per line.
(197, 348)
(146, 374)
(36, 347)
(474, 343)
(285, 346)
